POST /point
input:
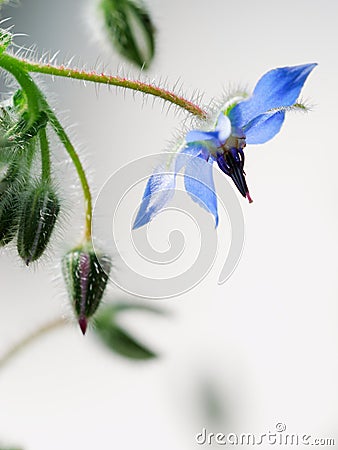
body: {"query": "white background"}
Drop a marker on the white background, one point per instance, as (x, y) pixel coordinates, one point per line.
(264, 345)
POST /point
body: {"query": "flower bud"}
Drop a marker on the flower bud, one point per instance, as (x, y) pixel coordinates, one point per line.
(40, 209)
(11, 187)
(129, 26)
(9, 213)
(86, 275)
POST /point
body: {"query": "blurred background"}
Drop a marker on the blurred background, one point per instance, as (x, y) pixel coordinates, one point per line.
(239, 357)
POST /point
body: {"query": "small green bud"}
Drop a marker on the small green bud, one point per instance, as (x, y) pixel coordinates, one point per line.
(86, 275)
(130, 29)
(39, 211)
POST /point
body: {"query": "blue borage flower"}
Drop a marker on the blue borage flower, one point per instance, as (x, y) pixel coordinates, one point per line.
(255, 120)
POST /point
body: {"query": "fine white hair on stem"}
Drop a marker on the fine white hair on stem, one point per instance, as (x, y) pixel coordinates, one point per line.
(47, 57)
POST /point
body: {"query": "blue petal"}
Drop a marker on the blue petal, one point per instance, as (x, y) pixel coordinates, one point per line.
(217, 137)
(161, 185)
(264, 127)
(223, 127)
(277, 88)
(159, 191)
(200, 136)
(199, 184)
(190, 150)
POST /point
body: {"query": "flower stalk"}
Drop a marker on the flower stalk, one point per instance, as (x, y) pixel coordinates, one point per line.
(27, 340)
(111, 80)
(61, 133)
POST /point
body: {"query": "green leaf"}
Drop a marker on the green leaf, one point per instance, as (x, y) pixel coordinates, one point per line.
(130, 29)
(116, 338)
(119, 341)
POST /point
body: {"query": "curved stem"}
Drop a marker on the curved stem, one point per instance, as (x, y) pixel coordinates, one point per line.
(28, 86)
(23, 343)
(111, 80)
(59, 130)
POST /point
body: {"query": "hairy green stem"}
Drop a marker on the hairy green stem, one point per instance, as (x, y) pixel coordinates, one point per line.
(111, 80)
(59, 130)
(23, 343)
(45, 155)
(28, 86)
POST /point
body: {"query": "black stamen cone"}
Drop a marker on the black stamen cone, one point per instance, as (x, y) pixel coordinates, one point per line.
(232, 164)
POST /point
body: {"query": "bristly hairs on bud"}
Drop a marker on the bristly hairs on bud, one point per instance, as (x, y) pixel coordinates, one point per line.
(86, 274)
(39, 211)
(12, 185)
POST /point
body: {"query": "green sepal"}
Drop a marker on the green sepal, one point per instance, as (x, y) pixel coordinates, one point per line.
(20, 101)
(16, 129)
(116, 338)
(21, 132)
(86, 274)
(5, 39)
(131, 31)
(38, 215)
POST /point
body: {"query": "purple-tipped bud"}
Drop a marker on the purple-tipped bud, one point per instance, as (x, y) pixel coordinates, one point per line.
(86, 274)
(83, 322)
